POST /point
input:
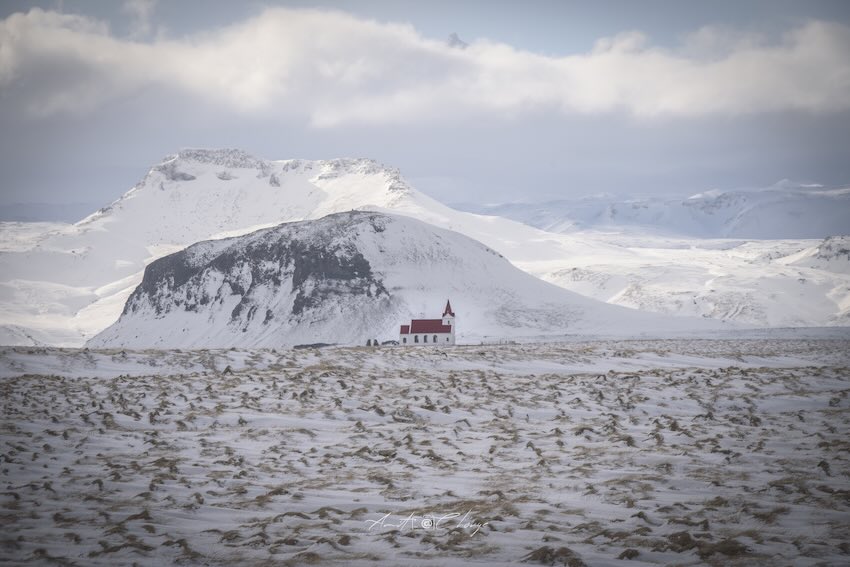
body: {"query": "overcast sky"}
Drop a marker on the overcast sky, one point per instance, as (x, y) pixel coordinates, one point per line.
(548, 99)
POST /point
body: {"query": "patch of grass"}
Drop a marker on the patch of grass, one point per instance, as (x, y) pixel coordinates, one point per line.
(771, 516)
(549, 556)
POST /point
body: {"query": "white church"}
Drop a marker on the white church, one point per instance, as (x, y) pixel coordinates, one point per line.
(430, 331)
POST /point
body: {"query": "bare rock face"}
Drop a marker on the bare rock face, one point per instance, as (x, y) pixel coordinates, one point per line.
(272, 279)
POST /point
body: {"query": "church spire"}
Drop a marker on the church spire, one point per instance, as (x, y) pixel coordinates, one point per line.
(448, 309)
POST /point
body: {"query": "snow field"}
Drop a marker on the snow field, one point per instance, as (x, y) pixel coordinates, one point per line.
(682, 451)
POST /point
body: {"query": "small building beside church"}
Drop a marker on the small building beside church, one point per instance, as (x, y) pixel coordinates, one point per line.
(430, 331)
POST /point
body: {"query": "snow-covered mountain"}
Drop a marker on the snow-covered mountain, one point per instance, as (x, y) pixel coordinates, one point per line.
(782, 211)
(61, 284)
(347, 278)
(678, 257)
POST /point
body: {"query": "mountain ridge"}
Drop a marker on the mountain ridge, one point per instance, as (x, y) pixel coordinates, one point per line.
(784, 210)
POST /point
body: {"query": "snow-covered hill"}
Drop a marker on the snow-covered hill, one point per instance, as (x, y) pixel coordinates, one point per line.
(61, 284)
(347, 278)
(832, 255)
(766, 283)
(683, 260)
(782, 211)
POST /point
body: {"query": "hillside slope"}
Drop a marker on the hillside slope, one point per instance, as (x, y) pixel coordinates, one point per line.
(347, 278)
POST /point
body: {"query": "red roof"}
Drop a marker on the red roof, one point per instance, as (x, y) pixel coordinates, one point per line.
(425, 326)
(429, 326)
(448, 309)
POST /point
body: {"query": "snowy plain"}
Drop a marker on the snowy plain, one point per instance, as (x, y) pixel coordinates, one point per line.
(685, 451)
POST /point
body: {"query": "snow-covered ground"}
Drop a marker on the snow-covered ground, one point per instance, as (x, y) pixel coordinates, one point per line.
(764, 283)
(723, 452)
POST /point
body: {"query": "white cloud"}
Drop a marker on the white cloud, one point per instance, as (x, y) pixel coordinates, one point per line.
(334, 68)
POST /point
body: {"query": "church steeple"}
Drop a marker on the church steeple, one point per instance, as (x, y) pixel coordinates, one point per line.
(448, 309)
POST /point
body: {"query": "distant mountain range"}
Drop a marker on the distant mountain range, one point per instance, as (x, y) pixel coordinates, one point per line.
(785, 210)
